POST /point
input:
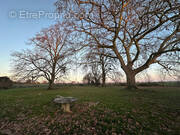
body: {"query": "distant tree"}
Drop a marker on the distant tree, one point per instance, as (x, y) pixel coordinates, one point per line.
(87, 78)
(28, 81)
(91, 79)
(94, 74)
(49, 58)
(100, 64)
(138, 33)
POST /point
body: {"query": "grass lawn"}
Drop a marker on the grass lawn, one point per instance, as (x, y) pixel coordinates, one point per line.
(148, 111)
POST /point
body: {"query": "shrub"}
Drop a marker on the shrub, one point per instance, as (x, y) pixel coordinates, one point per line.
(5, 83)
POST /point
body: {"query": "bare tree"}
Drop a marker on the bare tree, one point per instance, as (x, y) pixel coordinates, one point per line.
(96, 60)
(87, 78)
(49, 57)
(137, 32)
(94, 73)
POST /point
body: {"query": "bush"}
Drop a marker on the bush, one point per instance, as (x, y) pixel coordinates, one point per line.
(5, 83)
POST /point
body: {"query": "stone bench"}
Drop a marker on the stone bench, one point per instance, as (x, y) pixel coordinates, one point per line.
(65, 102)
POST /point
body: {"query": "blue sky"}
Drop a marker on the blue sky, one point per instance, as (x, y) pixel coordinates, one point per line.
(15, 32)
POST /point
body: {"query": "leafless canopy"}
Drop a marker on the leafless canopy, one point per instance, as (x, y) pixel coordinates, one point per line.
(137, 32)
(49, 57)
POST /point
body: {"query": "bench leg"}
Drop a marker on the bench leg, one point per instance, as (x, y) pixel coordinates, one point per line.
(66, 108)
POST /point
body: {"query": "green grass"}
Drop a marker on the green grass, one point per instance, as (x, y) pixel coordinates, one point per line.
(145, 111)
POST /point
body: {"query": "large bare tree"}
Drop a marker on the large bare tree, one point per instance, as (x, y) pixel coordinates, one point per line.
(139, 33)
(48, 58)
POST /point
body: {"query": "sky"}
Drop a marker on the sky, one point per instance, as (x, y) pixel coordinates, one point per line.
(17, 25)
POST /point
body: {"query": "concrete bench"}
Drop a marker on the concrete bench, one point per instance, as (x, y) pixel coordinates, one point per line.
(65, 102)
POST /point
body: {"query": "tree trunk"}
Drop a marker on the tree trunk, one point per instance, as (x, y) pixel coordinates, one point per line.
(50, 85)
(131, 82)
(103, 79)
(103, 74)
(51, 81)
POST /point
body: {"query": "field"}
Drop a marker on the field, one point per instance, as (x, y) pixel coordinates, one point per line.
(148, 111)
